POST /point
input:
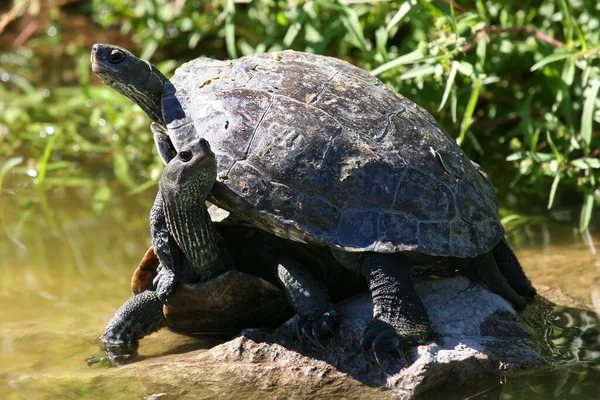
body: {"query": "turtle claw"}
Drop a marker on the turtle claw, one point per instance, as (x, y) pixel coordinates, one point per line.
(298, 326)
(381, 338)
(379, 363)
(164, 284)
(316, 328)
(311, 335)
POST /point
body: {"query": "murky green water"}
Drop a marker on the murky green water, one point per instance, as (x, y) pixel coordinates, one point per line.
(59, 288)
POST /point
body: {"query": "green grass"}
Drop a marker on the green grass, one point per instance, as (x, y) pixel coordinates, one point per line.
(516, 83)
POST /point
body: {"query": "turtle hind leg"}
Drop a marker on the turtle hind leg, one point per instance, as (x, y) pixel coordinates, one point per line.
(483, 269)
(511, 269)
(399, 317)
(138, 317)
(317, 314)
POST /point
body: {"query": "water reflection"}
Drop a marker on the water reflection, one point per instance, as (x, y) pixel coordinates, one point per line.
(563, 258)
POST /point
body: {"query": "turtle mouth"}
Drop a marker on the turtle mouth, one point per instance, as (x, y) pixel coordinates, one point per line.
(99, 68)
(201, 161)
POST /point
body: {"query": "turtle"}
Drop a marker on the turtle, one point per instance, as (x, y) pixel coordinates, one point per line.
(318, 151)
(239, 291)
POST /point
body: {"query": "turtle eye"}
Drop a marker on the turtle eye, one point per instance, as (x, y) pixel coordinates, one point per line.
(116, 56)
(185, 155)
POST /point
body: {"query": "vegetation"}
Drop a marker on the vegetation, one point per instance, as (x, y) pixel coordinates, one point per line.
(516, 83)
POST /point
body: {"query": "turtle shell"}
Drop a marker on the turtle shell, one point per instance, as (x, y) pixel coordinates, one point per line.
(315, 149)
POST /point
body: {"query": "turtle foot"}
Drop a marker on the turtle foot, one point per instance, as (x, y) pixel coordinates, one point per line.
(114, 352)
(317, 328)
(99, 359)
(164, 284)
(381, 338)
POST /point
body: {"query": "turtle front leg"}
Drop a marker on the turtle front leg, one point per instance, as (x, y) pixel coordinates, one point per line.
(399, 317)
(166, 250)
(138, 317)
(309, 298)
(164, 244)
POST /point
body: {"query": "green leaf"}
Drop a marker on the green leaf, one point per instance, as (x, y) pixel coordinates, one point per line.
(523, 155)
(149, 49)
(421, 70)
(568, 72)
(586, 211)
(230, 29)
(591, 95)
(559, 157)
(553, 190)
(352, 24)
(433, 10)
(400, 14)
(449, 84)
(121, 166)
(466, 122)
(586, 163)
(402, 60)
(553, 58)
(8, 165)
(381, 38)
(43, 163)
(465, 68)
(294, 29)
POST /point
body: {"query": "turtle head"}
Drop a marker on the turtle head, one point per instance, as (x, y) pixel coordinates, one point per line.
(133, 77)
(191, 174)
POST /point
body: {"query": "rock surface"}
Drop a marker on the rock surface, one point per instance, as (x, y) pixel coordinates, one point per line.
(479, 335)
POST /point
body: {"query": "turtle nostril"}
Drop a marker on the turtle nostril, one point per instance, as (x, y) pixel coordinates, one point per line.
(204, 143)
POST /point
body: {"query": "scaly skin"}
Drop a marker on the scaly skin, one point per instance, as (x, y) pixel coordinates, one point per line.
(138, 317)
(183, 222)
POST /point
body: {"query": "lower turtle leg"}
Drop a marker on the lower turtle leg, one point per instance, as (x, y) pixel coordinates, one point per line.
(511, 269)
(317, 314)
(484, 269)
(138, 317)
(399, 317)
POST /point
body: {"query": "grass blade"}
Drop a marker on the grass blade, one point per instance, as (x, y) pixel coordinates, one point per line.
(449, 84)
(400, 14)
(421, 70)
(553, 190)
(230, 29)
(588, 114)
(552, 58)
(586, 211)
(402, 60)
(586, 163)
(43, 163)
(352, 24)
(466, 122)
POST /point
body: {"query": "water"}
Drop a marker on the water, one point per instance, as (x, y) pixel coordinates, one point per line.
(59, 288)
